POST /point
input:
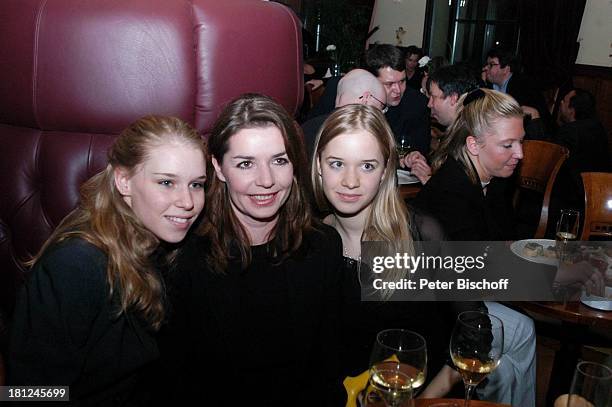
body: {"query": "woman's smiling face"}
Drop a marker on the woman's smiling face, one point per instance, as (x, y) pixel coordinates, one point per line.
(258, 174)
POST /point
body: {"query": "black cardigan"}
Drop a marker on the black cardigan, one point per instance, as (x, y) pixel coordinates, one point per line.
(66, 331)
(267, 334)
(463, 209)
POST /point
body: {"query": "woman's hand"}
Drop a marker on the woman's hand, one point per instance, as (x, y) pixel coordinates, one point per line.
(418, 166)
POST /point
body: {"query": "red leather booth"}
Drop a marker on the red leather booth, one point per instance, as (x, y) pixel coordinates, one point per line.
(73, 73)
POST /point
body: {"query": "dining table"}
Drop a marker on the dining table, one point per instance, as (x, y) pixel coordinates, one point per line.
(456, 403)
(576, 320)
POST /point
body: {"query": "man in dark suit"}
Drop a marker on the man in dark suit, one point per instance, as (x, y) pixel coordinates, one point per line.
(586, 138)
(407, 115)
(503, 73)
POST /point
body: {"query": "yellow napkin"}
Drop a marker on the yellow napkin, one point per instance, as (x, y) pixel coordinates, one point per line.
(353, 385)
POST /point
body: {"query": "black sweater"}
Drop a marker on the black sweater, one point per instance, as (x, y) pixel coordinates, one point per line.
(66, 331)
(265, 334)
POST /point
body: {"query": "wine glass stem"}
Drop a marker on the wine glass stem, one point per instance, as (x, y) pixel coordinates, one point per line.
(469, 389)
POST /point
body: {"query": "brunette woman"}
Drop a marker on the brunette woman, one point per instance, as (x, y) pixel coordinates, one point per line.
(256, 294)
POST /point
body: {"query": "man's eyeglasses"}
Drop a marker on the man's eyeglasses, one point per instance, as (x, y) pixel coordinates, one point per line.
(384, 108)
(491, 65)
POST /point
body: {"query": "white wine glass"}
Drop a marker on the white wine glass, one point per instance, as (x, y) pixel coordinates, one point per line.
(567, 231)
(476, 347)
(398, 367)
(403, 146)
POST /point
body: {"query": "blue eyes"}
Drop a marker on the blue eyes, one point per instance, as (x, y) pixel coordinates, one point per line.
(165, 182)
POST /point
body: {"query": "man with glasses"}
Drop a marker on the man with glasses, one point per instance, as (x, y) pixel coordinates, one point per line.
(407, 112)
(502, 72)
(356, 87)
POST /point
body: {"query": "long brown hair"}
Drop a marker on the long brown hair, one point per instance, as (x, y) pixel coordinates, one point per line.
(104, 219)
(220, 223)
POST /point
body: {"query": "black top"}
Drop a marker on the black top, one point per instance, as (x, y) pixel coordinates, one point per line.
(587, 142)
(327, 101)
(525, 92)
(415, 81)
(66, 331)
(362, 320)
(463, 209)
(266, 334)
(410, 118)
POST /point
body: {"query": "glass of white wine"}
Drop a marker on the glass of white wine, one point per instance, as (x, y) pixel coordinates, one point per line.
(398, 367)
(567, 231)
(403, 146)
(476, 347)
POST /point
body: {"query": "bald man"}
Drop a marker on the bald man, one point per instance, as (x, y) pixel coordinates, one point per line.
(356, 87)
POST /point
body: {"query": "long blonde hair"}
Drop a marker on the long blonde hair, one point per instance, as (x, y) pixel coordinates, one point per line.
(387, 220)
(103, 219)
(477, 113)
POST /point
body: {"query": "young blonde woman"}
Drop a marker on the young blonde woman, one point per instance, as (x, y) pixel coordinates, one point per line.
(354, 180)
(94, 298)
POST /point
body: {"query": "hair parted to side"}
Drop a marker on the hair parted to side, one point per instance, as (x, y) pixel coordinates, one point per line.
(382, 56)
(388, 219)
(220, 223)
(477, 118)
(104, 219)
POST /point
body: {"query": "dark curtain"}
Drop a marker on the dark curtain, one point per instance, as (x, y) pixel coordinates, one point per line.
(548, 43)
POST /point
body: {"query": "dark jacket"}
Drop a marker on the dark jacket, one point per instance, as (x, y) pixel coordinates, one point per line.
(410, 118)
(463, 209)
(264, 334)
(66, 331)
(526, 93)
(587, 142)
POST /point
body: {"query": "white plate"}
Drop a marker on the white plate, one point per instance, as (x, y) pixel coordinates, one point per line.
(601, 303)
(405, 177)
(518, 246)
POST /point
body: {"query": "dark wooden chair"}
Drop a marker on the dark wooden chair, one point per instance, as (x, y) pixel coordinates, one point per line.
(597, 205)
(537, 172)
